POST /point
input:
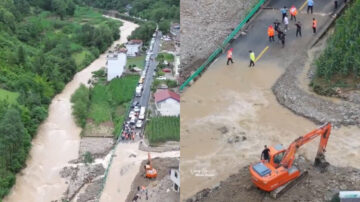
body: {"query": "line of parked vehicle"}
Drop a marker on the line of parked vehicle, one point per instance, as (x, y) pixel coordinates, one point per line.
(135, 120)
(137, 112)
(139, 89)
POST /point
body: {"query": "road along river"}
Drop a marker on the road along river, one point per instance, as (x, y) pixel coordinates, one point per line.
(57, 141)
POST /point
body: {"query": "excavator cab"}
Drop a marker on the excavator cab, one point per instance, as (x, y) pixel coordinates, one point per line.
(276, 155)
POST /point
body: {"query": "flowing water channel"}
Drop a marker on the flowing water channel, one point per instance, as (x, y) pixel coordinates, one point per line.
(230, 101)
(57, 141)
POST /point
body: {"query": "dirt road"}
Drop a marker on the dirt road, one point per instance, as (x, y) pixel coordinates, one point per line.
(57, 141)
(124, 168)
(230, 113)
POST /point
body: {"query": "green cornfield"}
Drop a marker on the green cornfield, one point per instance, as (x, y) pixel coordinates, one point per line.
(339, 64)
(163, 128)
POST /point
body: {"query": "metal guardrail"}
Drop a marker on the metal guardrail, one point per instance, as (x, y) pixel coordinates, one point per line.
(226, 42)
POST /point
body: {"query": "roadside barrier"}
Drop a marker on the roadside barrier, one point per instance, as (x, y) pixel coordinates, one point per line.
(212, 57)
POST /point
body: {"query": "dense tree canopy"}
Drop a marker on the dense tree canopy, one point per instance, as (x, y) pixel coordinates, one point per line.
(43, 43)
(162, 12)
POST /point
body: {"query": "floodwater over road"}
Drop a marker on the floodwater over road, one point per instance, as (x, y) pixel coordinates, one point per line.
(230, 113)
(57, 141)
(124, 169)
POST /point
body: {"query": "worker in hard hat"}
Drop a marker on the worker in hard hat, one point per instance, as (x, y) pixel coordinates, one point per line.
(293, 13)
(271, 33)
(229, 56)
(252, 58)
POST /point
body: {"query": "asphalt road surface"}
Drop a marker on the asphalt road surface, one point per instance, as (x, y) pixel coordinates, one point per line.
(144, 99)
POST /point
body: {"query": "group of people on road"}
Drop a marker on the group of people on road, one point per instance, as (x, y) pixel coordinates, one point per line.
(128, 132)
(293, 12)
(281, 32)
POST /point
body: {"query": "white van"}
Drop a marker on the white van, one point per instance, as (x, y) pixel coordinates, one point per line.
(138, 91)
(142, 113)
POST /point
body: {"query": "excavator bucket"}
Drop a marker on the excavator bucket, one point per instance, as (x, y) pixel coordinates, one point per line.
(321, 163)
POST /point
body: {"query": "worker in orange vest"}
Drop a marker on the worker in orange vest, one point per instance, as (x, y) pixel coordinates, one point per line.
(229, 56)
(293, 13)
(271, 33)
(314, 25)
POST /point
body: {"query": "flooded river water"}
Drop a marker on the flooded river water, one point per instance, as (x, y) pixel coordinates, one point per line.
(230, 101)
(57, 141)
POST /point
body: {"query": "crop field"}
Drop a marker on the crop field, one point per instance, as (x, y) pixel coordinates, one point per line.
(163, 128)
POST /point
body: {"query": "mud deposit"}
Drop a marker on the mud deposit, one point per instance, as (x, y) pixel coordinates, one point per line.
(159, 189)
(316, 187)
(229, 114)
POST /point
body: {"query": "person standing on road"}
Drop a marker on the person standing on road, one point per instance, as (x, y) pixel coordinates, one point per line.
(271, 33)
(265, 154)
(276, 24)
(282, 38)
(252, 58)
(314, 25)
(310, 6)
(293, 12)
(286, 23)
(229, 56)
(283, 12)
(298, 28)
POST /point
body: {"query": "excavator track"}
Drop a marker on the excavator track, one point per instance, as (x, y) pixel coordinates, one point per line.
(281, 190)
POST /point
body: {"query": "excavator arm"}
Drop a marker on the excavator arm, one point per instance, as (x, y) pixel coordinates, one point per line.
(324, 133)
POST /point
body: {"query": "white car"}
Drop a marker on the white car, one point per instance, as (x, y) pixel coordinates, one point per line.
(136, 109)
(131, 114)
(139, 124)
(133, 120)
(161, 78)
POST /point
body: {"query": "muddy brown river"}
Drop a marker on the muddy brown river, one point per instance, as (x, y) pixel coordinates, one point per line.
(230, 101)
(57, 141)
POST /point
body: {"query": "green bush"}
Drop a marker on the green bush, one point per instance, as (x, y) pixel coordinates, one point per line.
(81, 101)
(171, 83)
(88, 158)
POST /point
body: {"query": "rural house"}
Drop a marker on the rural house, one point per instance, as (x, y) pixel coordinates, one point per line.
(133, 47)
(167, 102)
(115, 65)
(175, 178)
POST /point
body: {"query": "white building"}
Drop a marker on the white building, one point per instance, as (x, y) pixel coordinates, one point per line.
(175, 178)
(167, 102)
(133, 47)
(115, 65)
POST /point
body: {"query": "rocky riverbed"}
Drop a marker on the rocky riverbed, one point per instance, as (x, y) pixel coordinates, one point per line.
(317, 186)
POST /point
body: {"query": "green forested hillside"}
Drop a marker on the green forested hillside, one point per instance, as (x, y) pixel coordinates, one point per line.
(162, 12)
(43, 43)
(339, 63)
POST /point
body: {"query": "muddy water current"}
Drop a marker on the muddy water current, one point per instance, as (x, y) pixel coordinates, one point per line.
(57, 141)
(230, 113)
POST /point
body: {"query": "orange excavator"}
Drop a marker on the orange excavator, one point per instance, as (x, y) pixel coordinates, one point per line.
(279, 174)
(150, 172)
